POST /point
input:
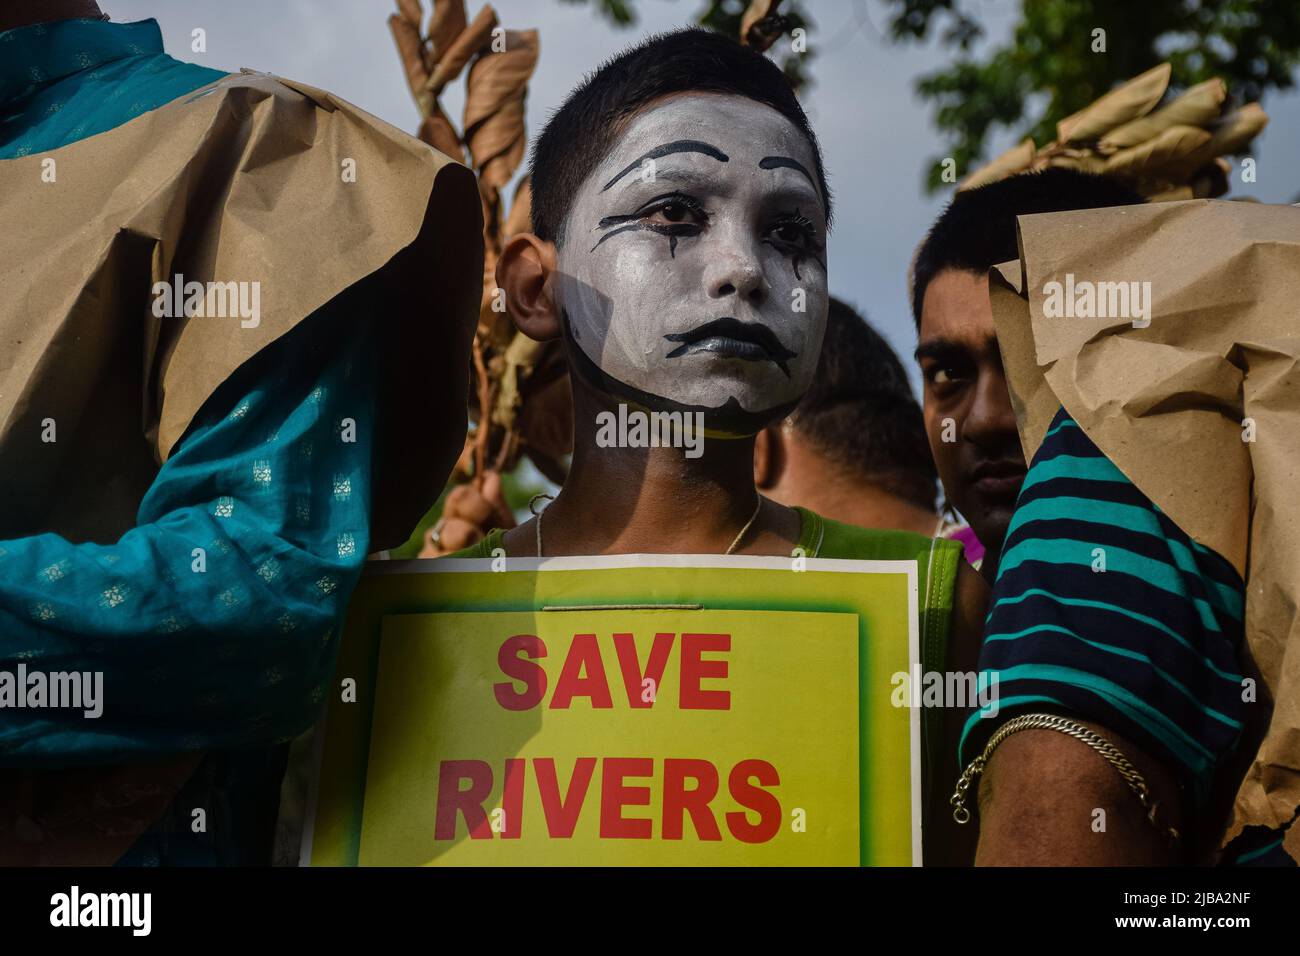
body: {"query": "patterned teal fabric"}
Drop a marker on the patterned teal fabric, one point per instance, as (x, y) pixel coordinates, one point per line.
(61, 82)
(214, 621)
(211, 620)
(288, 495)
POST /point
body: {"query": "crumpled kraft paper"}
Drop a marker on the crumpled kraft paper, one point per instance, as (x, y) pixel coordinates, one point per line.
(243, 180)
(1171, 403)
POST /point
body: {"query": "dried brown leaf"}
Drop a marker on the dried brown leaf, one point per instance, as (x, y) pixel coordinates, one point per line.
(1212, 179)
(1170, 194)
(757, 10)
(407, 38)
(1172, 146)
(1231, 136)
(437, 131)
(445, 25)
(412, 12)
(1121, 105)
(1083, 160)
(520, 218)
(494, 121)
(1016, 159)
(1196, 107)
(753, 31)
(498, 79)
(462, 49)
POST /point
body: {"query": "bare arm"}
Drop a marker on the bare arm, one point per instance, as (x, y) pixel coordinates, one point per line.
(1048, 799)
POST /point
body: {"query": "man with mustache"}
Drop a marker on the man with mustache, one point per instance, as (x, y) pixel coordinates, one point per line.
(968, 414)
(680, 214)
(1121, 681)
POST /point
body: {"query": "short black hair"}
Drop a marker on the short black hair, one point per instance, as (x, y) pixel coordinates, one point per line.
(580, 134)
(978, 229)
(861, 413)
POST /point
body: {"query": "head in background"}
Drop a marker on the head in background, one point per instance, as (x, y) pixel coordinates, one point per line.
(21, 13)
(968, 416)
(855, 448)
(680, 213)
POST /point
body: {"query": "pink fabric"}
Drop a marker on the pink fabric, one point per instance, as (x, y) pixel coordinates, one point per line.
(966, 535)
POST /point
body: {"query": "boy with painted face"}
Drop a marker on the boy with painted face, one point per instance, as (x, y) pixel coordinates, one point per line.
(679, 248)
(680, 213)
(714, 331)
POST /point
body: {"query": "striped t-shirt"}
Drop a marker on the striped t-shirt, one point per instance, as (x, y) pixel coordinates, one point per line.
(1104, 610)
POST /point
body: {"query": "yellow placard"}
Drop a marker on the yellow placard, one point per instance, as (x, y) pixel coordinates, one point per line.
(640, 710)
(603, 737)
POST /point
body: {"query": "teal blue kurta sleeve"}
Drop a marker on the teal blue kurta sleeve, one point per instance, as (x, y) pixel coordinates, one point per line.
(212, 624)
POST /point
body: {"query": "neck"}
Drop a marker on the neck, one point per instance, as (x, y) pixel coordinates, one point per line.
(22, 13)
(619, 500)
(827, 488)
(989, 566)
(868, 505)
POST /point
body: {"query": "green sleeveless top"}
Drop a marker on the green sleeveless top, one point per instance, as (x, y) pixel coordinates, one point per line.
(937, 560)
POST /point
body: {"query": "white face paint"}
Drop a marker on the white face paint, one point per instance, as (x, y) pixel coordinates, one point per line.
(705, 210)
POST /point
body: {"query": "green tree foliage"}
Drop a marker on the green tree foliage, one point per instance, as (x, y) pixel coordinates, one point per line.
(621, 13)
(1051, 69)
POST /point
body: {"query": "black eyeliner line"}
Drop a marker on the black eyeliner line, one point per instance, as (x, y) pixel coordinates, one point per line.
(811, 232)
(795, 254)
(664, 201)
(615, 220)
(630, 226)
(663, 229)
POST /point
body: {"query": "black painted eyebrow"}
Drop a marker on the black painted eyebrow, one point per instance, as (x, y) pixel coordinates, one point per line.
(778, 162)
(667, 149)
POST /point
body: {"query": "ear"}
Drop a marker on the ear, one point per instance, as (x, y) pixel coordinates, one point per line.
(524, 274)
(769, 453)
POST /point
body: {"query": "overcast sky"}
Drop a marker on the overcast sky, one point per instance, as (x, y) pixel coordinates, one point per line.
(875, 132)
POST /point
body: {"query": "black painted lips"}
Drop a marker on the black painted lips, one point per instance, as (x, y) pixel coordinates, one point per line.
(752, 341)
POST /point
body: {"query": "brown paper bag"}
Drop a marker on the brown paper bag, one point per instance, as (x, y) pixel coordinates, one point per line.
(243, 180)
(1172, 402)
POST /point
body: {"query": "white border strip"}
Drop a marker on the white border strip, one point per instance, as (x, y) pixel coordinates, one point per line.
(614, 561)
